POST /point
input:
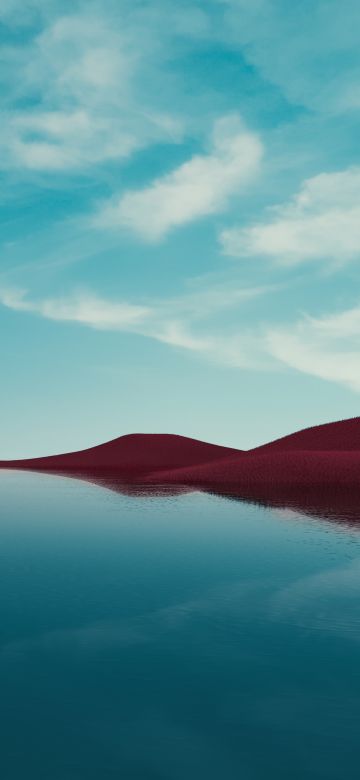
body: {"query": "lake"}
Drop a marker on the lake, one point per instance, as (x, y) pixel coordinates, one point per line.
(174, 637)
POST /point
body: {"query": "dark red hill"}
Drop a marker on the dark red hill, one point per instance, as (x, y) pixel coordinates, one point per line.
(323, 455)
(340, 436)
(275, 469)
(316, 471)
(130, 456)
(304, 468)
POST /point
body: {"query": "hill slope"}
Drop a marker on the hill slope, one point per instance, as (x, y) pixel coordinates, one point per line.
(130, 456)
(343, 435)
(323, 455)
(277, 469)
(316, 470)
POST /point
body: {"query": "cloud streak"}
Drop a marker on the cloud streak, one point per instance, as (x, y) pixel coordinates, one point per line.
(199, 187)
(79, 74)
(326, 347)
(83, 308)
(174, 321)
(322, 222)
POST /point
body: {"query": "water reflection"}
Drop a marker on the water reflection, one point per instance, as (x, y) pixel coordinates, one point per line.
(337, 504)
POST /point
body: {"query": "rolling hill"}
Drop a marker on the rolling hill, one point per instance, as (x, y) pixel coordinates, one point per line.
(130, 457)
(341, 436)
(324, 454)
(302, 469)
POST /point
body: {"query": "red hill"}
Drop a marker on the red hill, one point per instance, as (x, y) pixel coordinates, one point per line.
(130, 457)
(303, 469)
(323, 455)
(269, 469)
(338, 436)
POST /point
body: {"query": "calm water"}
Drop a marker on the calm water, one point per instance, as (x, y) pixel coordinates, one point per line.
(174, 638)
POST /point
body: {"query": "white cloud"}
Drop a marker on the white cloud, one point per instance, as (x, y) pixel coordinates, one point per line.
(66, 140)
(199, 187)
(82, 308)
(169, 321)
(321, 222)
(326, 347)
(234, 351)
(79, 77)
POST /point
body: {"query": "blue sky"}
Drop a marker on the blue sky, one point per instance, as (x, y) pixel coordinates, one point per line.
(180, 219)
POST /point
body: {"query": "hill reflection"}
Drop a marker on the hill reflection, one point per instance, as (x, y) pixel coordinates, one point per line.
(339, 504)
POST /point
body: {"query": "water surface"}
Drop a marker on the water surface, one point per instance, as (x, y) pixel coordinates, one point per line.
(174, 637)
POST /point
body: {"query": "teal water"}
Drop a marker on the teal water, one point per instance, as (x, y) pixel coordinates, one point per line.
(174, 638)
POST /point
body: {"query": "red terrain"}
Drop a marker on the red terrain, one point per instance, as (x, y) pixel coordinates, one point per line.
(130, 457)
(313, 467)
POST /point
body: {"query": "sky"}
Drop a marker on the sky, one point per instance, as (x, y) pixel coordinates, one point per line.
(180, 221)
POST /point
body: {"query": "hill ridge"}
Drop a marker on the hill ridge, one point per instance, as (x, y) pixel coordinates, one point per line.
(308, 434)
(325, 454)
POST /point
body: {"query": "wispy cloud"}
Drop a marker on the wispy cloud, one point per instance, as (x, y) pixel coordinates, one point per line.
(79, 76)
(173, 321)
(199, 187)
(321, 222)
(83, 308)
(326, 347)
